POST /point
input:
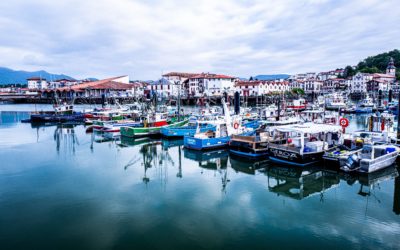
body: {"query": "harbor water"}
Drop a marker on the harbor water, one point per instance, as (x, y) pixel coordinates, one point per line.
(61, 188)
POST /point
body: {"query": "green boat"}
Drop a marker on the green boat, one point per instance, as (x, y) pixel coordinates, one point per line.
(148, 131)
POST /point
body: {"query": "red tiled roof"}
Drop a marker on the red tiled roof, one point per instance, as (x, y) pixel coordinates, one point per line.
(108, 83)
(112, 85)
(376, 75)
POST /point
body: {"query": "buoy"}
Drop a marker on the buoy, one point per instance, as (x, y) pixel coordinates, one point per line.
(236, 125)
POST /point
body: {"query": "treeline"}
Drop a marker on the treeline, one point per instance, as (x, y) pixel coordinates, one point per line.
(375, 64)
(18, 85)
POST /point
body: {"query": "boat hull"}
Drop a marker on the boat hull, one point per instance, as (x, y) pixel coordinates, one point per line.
(183, 131)
(205, 144)
(368, 166)
(292, 158)
(136, 132)
(250, 154)
(56, 118)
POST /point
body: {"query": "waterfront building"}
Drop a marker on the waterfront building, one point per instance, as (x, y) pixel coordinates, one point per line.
(258, 88)
(207, 84)
(166, 88)
(358, 83)
(37, 83)
(312, 85)
(110, 87)
(329, 86)
(60, 83)
(178, 76)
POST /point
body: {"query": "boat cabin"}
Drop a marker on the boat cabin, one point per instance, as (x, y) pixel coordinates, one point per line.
(303, 144)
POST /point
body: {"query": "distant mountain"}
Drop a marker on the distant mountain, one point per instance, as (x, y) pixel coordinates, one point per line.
(9, 76)
(92, 79)
(271, 77)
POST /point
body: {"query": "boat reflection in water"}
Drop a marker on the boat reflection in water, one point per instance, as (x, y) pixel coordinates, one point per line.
(299, 183)
(65, 136)
(246, 166)
(371, 182)
(217, 160)
(151, 156)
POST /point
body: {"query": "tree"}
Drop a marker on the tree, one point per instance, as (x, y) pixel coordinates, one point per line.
(349, 71)
(251, 78)
(298, 91)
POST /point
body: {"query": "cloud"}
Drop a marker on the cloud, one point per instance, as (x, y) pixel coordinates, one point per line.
(145, 38)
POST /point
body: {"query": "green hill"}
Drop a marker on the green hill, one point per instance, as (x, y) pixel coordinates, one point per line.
(376, 64)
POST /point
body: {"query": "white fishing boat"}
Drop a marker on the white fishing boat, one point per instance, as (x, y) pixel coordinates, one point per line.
(335, 102)
(371, 158)
(303, 144)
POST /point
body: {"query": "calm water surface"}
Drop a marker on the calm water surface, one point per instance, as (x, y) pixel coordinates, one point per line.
(61, 188)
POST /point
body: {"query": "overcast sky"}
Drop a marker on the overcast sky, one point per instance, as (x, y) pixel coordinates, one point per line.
(101, 38)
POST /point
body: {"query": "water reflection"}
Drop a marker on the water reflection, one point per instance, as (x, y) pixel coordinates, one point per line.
(299, 183)
(396, 196)
(247, 166)
(65, 137)
(113, 189)
(217, 161)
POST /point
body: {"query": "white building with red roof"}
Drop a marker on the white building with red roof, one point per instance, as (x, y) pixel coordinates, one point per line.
(258, 88)
(37, 83)
(114, 86)
(210, 84)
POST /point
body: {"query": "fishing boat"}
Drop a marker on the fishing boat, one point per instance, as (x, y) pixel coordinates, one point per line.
(115, 126)
(303, 144)
(187, 130)
(269, 113)
(335, 102)
(151, 126)
(379, 130)
(218, 138)
(210, 139)
(371, 158)
(63, 112)
(254, 144)
(297, 105)
(319, 116)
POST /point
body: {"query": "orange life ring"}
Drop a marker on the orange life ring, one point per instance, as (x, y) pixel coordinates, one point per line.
(236, 125)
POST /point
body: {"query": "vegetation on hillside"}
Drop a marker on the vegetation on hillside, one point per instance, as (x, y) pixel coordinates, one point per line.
(375, 64)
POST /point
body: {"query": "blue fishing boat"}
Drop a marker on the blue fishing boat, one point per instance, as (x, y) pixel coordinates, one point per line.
(189, 130)
(366, 106)
(363, 110)
(218, 138)
(213, 139)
